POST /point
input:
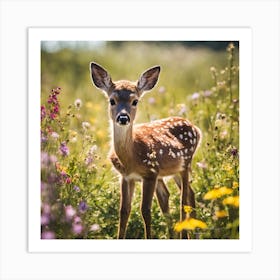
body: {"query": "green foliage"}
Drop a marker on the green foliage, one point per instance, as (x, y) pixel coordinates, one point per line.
(80, 191)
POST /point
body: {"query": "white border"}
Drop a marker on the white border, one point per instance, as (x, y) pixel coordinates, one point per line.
(243, 35)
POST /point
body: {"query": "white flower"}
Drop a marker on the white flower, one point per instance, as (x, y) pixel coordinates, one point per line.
(55, 135)
(85, 125)
(78, 103)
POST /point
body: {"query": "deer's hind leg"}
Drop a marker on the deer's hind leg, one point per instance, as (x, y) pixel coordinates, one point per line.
(187, 198)
(162, 195)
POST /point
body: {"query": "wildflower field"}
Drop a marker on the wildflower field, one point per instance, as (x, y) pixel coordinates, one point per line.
(80, 190)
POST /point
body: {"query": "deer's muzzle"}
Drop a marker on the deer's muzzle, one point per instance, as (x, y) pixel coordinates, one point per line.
(123, 119)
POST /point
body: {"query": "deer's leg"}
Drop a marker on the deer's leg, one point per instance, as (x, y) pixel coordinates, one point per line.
(127, 190)
(149, 185)
(162, 194)
(187, 198)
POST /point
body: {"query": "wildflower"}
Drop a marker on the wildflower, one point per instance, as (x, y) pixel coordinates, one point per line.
(187, 209)
(152, 100)
(217, 193)
(202, 164)
(83, 206)
(68, 180)
(85, 125)
(54, 135)
(43, 112)
(189, 224)
(90, 155)
(223, 134)
(230, 47)
(161, 90)
(195, 96)
(234, 152)
(231, 200)
(76, 188)
(207, 93)
(69, 212)
(77, 220)
(182, 109)
(93, 149)
(46, 208)
(73, 136)
(228, 168)
(213, 69)
(94, 227)
(78, 103)
(45, 219)
(77, 228)
(235, 185)
(64, 149)
(48, 235)
(221, 214)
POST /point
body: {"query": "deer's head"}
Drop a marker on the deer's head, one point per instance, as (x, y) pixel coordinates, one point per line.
(123, 95)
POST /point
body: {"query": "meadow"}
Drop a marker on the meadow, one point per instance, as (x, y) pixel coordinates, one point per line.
(79, 188)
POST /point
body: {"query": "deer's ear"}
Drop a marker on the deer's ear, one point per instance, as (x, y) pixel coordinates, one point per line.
(148, 79)
(100, 77)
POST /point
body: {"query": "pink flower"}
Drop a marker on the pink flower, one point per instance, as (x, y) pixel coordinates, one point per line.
(77, 228)
(69, 212)
(48, 235)
(202, 164)
(195, 96)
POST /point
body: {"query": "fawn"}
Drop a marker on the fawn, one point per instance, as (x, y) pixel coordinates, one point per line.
(148, 151)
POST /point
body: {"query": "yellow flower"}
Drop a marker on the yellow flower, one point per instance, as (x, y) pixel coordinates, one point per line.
(235, 185)
(228, 168)
(231, 200)
(189, 224)
(188, 209)
(217, 192)
(221, 213)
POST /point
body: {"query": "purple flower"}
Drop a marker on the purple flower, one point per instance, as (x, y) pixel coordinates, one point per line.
(76, 188)
(195, 96)
(64, 149)
(83, 206)
(48, 235)
(234, 152)
(43, 112)
(45, 219)
(77, 228)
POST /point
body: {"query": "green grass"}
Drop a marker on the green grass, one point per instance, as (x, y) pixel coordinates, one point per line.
(80, 190)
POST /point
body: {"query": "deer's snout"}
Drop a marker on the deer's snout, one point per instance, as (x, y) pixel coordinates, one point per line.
(123, 119)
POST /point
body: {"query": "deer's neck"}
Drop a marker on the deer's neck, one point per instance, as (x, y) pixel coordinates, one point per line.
(123, 142)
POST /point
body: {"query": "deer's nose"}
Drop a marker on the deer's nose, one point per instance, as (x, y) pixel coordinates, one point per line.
(123, 119)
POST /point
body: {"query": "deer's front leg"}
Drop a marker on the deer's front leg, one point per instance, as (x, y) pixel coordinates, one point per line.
(127, 190)
(149, 185)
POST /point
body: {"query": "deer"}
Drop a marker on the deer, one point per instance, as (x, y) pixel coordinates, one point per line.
(146, 152)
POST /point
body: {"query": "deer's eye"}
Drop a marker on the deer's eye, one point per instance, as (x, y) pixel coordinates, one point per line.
(134, 102)
(112, 102)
